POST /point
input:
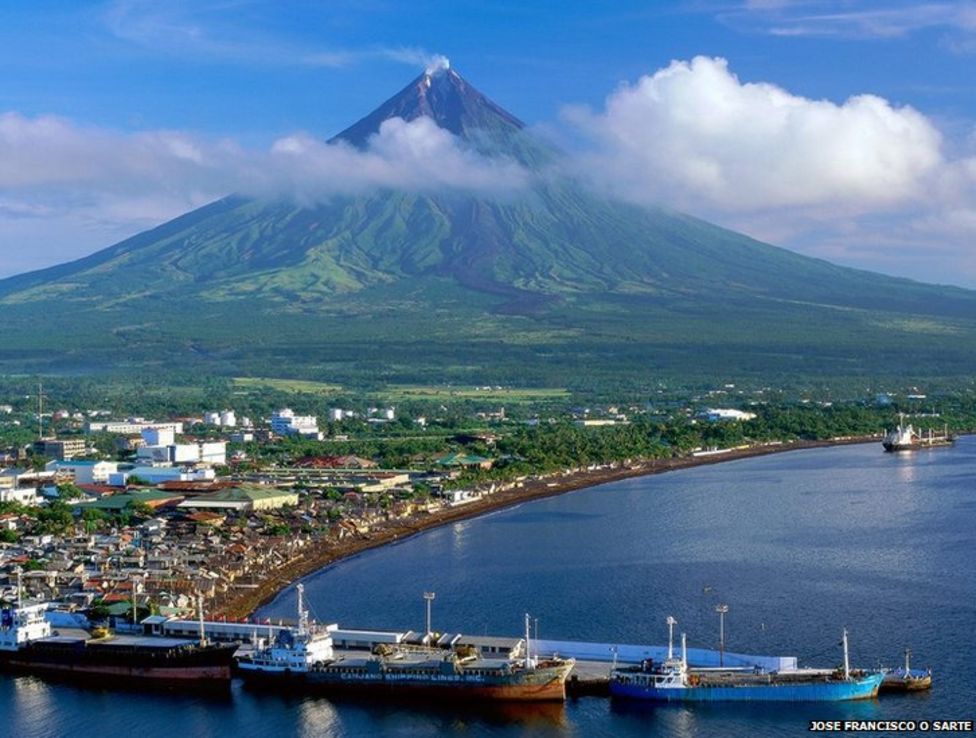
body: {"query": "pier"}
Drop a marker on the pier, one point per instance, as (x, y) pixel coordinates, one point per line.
(590, 676)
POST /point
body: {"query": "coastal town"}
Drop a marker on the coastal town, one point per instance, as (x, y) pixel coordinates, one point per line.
(122, 517)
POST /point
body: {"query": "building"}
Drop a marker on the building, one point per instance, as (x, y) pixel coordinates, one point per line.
(130, 426)
(286, 423)
(721, 413)
(159, 436)
(462, 459)
(154, 498)
(60, 448)
(21, 495)
(160, 474)
(11, 479)
(84, 472)
(210, 452)
(242, 499)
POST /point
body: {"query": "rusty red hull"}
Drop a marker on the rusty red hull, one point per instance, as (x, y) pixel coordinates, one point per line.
(543, 685)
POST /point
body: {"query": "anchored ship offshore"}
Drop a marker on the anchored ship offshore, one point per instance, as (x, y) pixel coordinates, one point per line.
(304, 657)
(906, 438)
(672, 681)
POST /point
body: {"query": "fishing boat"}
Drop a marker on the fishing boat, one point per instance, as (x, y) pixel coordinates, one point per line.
(303, 659)
(907, 679)
(672, 681)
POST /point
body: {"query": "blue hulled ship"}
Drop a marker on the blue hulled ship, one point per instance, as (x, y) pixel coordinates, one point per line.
(671, 681)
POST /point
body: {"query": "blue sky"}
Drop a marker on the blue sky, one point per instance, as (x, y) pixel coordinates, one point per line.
(86, 89)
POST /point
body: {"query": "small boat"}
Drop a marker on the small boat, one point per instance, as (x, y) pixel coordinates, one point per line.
(671, 681)
(907, 679)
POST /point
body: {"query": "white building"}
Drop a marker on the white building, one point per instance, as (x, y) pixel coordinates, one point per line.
(160, 474)
(22, 495)
(85, 472)
(159, 436)
(154, 454)
(228, 419)
(212, 452)
(130, 426)
(286, 423)
(721, 413)
(209, 452)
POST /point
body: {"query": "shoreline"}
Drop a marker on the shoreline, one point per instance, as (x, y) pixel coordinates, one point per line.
(246, 603)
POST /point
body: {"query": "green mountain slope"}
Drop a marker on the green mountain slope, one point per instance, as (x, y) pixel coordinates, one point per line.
(541, 286)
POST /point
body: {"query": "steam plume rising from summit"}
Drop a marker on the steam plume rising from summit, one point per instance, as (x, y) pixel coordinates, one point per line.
(437, 64)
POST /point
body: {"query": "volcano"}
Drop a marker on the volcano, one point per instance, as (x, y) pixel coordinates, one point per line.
(556, 284)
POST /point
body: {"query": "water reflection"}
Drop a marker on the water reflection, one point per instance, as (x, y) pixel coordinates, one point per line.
(328, 715)
(716, 718)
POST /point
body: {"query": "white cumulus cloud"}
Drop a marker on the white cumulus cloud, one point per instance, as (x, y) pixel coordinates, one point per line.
(693, 133)
(862, 182)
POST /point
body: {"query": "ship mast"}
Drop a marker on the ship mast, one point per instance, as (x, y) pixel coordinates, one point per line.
(302, 612)
(684, 651)
(528, 643)
(908, 656)
(847, 661)
(671, 623)
(203, 632)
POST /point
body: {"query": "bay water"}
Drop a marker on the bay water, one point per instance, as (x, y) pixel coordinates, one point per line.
(799, 545)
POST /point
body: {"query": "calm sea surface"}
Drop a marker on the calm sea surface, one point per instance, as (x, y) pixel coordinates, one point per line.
(799, 545)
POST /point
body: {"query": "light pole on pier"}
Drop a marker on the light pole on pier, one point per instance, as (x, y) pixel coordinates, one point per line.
(429, 597)
(721, 610)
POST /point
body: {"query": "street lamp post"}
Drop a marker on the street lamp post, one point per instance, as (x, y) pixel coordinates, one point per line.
(429, 597)
(721, 610)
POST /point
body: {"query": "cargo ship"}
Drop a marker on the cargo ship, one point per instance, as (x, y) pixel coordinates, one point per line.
(28, 645)
(303, 659)
(907, 679)
(671, 681)
(906, 438)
